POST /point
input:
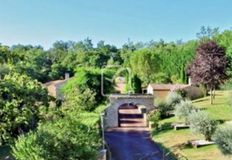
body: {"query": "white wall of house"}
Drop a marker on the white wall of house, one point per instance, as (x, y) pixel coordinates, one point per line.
(58, 87)
(150, 89)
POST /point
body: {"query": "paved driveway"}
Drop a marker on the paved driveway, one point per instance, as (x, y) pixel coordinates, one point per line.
(132, 144)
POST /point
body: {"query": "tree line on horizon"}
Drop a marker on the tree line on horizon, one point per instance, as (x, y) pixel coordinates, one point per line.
(158, 62)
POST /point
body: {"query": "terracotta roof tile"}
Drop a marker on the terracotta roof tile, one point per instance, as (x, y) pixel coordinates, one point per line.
(171, 87)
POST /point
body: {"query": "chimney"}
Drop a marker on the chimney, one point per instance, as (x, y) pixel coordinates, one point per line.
(66, 76)
(189, 81)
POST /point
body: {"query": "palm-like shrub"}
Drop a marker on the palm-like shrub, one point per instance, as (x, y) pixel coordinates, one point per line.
(200, 122)
(183, 109)
(223, 138)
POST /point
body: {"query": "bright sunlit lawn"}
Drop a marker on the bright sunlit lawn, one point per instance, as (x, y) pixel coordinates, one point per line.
(175, 140)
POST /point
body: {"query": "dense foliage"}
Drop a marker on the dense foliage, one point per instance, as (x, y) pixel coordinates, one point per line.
(173, 99)
(183, 110)
(200, 122)
(84, 89)
(63, 139)
(223, 138)
(167, 107)
(22, 102)
(158, 62)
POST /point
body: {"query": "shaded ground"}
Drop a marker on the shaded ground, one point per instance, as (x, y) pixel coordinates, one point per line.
(131, 141)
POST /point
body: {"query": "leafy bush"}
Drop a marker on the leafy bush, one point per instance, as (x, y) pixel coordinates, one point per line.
(183, 109)
(172, 99)
(223, 138)
(88, 78)
(163, 109)
(154, 118)
(80, 99)
(200, 122)
(182, 93)
(193, 92)
(26, 147)
(227, 85)
(64, 139)
(22, 101)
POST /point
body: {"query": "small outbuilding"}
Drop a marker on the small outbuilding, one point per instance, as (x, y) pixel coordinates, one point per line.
(162, 90)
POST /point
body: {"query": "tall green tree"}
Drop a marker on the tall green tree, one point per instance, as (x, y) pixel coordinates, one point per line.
(144, 64)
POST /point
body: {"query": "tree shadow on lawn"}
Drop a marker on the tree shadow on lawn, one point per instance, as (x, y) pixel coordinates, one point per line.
(172, 153)
(163, 128)
(202, 109)
(200, 100)
(220, 121)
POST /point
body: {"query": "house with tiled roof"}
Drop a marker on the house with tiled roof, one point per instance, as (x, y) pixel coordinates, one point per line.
(162, 90)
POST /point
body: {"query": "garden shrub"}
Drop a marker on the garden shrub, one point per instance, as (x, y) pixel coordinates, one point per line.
(163, 109)
(200, 122)
(26, 147)
(193, 92)
(182, 93)
(183, 109)
(227, 85)
(223, 138)
(65, 139)
(78, 99)
(22, 101)
(172, 99)
(154, 118)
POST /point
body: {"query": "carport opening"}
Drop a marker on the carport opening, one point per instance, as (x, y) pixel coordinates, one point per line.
(132, 115)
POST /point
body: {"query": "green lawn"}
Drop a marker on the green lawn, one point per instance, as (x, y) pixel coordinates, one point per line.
(176, 141)
(220, 110)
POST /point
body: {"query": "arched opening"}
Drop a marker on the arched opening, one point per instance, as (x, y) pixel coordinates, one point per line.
(132, 115)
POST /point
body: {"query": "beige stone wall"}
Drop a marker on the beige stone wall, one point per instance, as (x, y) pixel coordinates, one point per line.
(111, 113)
(161, 94)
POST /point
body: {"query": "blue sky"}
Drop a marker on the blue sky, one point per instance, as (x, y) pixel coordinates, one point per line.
(42, 22)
